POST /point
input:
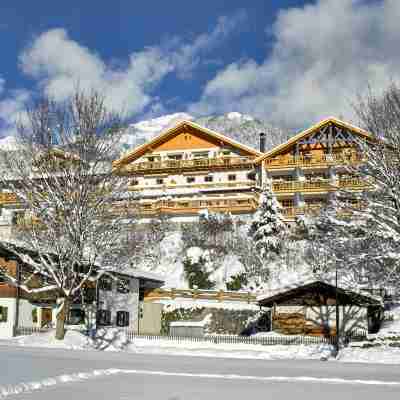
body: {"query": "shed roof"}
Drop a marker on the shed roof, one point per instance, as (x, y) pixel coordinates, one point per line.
(345, 296)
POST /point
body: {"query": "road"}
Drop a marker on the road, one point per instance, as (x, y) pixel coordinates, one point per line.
(63, 374)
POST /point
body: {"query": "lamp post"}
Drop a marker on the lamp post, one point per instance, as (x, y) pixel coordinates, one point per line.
(337, 312)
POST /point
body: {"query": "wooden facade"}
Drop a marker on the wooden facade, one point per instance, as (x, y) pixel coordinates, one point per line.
(188, 168)
(310, 309)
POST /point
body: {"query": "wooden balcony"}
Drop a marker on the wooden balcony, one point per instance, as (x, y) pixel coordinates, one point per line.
(292, 212)
(319, 185)
(353, 183)
(156, 167)
(8, 198)
(217, 185)
(192, 207)
(315, 209)
(323, 160)
(301, 186)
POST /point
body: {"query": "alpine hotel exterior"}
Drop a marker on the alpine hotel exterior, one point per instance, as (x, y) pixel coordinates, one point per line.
(189, 168)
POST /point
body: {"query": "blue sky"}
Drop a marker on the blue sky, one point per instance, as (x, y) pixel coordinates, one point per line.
(289, 62)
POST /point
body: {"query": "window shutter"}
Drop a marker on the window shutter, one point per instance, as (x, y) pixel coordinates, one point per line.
(122, 318)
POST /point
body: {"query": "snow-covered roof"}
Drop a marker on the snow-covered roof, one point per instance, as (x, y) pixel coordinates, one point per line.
(271, 295)
(139, 274)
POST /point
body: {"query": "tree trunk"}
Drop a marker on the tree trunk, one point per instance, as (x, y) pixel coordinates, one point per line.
(62, 312)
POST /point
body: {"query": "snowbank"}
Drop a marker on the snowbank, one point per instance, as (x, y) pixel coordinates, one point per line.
(116, 340)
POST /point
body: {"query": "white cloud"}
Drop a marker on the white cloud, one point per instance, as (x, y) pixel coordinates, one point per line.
(186, 56)
(13, 110)
(323, 55)
(59, 64)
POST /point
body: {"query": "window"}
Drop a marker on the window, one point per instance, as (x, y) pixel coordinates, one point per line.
(208, 178)
(175, 156)
(232, 177)
(151, 159)
(18, 217)
(135, 182)
(105, 283)
(251, 176)
(226, 153)
(76, 316)
(123, 286)
(3, 314)
(103, 317)
(159, 181)
(122, 318)
(190, 179)
(89, 295)
(200, 154)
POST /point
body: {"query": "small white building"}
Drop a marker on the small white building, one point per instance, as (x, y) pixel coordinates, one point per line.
(116, 300)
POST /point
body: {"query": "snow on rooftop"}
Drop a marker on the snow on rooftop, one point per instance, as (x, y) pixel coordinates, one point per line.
(171, 305)
(293, 285)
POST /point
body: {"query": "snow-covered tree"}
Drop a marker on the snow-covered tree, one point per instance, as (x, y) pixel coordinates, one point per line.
(267, 228)
(73, 203)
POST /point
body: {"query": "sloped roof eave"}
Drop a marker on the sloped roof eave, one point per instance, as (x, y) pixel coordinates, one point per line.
(308, 131)
(138, 151)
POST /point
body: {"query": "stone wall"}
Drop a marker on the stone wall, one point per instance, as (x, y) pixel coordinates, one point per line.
(222, 321)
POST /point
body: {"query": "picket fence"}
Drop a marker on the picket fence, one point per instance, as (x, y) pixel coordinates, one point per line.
(358, 335)
(261, 340)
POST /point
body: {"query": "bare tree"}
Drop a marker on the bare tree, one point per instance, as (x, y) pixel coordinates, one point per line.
(73, 202)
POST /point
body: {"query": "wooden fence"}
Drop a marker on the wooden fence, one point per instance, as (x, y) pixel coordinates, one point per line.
(358, 335)
(217, 295)
(261, 340)
(29, 330)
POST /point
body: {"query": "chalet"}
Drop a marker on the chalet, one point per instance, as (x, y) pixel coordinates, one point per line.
(189, 168)
(310, 308)
(116, 300)
(313, 164)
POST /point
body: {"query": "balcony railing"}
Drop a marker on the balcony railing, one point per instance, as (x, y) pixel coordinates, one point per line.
(192, 206)
(291, 212)
(217, 185)
(319, 185)
(315, 209)
(8, 198)
(313, 160)
(194, 164)
(301, 186)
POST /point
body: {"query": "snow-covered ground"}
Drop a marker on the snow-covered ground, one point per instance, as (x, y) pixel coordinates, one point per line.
(116, 340)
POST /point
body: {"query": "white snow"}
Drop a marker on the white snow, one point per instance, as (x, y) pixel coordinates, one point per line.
(171, 305)
(201, 323)
(116, 340)
(26, 387)
(8, 143)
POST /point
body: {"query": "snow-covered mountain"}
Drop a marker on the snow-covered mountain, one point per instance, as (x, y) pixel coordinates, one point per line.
(240, 127)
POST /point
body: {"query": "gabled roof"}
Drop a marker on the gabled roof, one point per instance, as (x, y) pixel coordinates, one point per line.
(346, 295)
(358, 131)
(175, 130)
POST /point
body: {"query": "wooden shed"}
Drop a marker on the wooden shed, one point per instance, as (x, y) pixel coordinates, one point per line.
(309, 308)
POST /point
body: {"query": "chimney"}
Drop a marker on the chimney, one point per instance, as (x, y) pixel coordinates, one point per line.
(262, 142)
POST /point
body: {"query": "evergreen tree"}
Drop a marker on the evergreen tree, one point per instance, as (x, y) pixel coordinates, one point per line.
(268, 228)
(196, 273)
